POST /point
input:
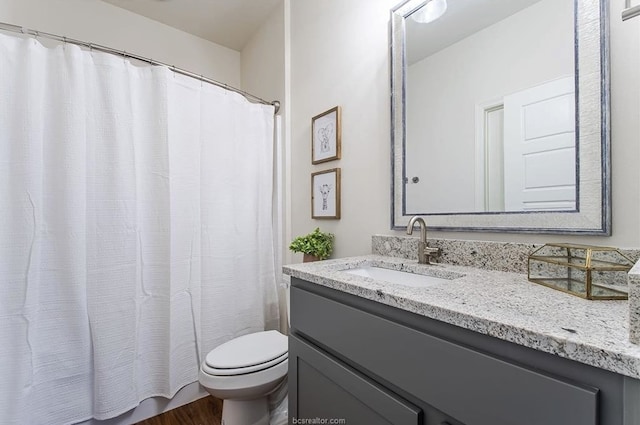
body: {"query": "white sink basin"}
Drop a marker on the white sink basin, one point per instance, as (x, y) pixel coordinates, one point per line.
(397, 277)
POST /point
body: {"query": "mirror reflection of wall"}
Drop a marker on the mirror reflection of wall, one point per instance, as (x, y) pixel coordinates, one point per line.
(490, 112)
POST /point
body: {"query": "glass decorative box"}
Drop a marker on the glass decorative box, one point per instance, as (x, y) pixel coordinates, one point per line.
(591, 272)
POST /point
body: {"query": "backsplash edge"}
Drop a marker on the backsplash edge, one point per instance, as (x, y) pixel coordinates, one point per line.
(488, 255)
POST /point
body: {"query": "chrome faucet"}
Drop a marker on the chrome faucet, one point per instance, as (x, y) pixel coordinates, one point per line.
(424, 252)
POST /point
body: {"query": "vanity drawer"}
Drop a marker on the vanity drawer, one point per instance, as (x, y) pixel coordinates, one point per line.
(473, 387)
(325, 388)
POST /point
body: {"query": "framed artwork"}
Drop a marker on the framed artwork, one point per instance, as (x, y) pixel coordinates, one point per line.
(326, 136)
(325, 194)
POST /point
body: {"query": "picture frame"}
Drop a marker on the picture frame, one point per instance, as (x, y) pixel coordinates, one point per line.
(325, 194)
(326, 136)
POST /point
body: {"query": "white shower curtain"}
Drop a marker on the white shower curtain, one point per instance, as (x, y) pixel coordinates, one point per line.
(135, 230)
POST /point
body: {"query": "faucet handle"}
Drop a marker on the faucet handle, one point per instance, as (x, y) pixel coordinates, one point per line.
(432, 253)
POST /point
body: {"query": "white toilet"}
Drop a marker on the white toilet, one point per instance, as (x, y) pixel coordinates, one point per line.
(243, 372)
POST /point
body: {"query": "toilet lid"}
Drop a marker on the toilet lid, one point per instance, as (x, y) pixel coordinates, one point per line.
(248, 350)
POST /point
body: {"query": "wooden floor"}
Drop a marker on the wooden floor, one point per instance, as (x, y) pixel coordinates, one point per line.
(206, 411)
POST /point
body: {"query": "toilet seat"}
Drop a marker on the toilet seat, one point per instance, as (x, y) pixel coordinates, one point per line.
(247, 354)
(243, 370)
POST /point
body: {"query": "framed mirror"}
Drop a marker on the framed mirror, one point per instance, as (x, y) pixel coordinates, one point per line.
(500, 115)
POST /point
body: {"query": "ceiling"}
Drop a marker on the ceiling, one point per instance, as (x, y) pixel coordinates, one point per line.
(463, 18)
(230, 23)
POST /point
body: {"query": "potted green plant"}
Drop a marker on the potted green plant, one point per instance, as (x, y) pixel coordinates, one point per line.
(315, 246)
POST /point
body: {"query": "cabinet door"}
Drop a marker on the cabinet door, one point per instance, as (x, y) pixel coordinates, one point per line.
(322, 387)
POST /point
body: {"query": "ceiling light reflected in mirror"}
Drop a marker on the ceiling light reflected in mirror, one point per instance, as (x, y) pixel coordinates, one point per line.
(431, 11)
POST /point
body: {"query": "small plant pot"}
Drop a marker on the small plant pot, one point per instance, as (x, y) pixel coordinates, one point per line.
(307, 258)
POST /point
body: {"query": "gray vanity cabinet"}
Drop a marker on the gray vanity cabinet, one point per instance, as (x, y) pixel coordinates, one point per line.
(369, 363)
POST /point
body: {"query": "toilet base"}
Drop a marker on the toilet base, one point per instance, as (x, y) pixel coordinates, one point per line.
(245, 412)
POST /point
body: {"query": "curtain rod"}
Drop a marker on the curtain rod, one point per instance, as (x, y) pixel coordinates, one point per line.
(91, 46)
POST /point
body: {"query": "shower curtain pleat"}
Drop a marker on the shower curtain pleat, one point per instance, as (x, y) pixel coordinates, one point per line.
(135, 230)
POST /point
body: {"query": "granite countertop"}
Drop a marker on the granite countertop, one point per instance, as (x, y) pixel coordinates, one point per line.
(500, 304)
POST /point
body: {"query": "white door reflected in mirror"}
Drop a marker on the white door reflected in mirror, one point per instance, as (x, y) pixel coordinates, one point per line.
(540, 148)
(525, 150)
